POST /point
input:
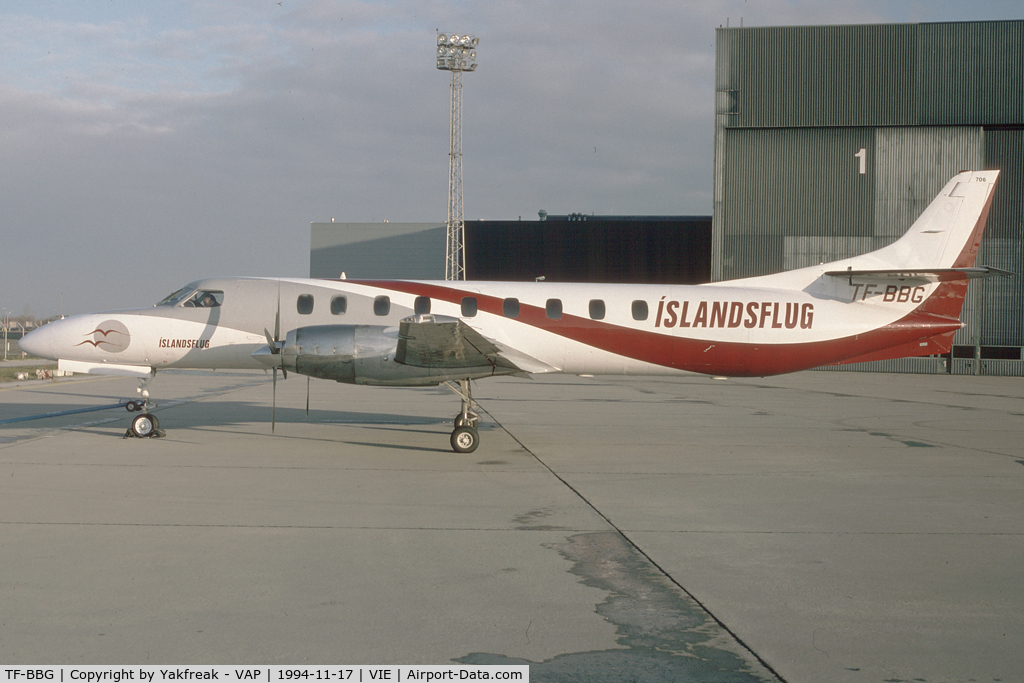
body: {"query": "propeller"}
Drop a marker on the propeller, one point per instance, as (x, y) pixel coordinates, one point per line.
(274, 342)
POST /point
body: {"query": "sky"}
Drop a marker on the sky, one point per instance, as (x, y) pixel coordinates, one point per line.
(146, 144)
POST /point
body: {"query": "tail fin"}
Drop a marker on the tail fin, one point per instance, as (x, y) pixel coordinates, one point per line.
(948, 233)
(941, 246)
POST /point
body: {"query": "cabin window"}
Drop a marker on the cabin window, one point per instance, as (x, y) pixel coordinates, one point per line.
(596, 309)
(640, 310)
(304, 304)
(339, 304)
(469, 306)
(553, 308)
(421, 305)
(381, 305)
(510, 308)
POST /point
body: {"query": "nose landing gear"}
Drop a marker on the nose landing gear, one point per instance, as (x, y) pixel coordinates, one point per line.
(145, 425)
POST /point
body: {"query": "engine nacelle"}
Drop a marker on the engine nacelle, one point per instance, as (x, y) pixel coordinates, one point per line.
(354, 354)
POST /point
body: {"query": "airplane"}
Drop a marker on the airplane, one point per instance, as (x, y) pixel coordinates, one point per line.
(902, 300)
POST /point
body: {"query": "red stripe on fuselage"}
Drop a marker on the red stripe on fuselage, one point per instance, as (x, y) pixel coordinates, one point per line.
(695, 355)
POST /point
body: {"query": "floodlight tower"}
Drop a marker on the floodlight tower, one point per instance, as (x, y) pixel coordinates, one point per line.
(456, 52)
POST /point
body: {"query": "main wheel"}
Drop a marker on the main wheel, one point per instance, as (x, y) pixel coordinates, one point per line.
(465, 439)
(145, 424)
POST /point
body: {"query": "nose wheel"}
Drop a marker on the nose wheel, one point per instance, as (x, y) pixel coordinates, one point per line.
(465, 439)
(145, 425)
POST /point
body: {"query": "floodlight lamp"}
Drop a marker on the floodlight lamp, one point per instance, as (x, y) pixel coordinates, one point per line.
(456, 51)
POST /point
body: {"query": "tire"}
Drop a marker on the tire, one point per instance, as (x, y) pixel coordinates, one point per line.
(130, 406)
(144, 425)
(465, 439)
(473, 420)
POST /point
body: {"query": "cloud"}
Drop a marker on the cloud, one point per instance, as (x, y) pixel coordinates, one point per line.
(162, 142)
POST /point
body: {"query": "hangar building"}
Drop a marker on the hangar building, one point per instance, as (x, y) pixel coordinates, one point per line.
(830, 140)
(571, 248)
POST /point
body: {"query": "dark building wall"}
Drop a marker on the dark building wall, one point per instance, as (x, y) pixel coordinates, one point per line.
(642, 249)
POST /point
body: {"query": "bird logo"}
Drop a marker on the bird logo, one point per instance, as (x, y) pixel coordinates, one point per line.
(110, 336)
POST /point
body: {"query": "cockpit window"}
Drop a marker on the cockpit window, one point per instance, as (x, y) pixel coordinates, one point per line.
(175, 298)
(205, 298)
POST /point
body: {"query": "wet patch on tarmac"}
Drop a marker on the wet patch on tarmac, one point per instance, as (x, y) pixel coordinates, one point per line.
(663, 634)
(531, 521)
(906, 442)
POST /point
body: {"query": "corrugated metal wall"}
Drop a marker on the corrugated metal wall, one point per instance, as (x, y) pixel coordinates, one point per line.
(831, 140)
(912, 164)
(807, 182)
(1002, 299)
(876, 75)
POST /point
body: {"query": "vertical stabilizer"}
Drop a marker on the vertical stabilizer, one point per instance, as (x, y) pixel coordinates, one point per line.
(948, 232)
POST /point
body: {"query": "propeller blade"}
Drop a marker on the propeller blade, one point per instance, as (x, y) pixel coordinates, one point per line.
(275, 348)
(271, 342)
(307, 396)
(277, 318)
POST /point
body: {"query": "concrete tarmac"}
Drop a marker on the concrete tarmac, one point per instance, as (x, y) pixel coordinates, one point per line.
(821, 526)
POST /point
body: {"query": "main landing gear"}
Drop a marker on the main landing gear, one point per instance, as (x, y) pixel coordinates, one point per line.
(146, 424)
(465, 438)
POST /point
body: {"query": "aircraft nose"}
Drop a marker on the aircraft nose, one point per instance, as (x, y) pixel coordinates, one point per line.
(41, 341)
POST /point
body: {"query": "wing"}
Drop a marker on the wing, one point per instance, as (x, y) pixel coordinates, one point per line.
(434, 341)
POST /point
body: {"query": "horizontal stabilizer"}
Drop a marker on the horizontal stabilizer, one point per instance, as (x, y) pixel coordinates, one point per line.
(923, 275)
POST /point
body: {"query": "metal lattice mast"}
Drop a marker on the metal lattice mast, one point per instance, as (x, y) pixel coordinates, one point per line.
(456, 53)
(455, 251)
